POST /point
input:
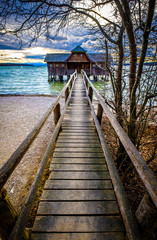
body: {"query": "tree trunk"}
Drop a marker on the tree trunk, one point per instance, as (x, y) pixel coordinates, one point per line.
(118, 96)
(124, 11)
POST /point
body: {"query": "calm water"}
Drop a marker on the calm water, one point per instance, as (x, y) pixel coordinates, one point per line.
(27, 80)
(30, 80)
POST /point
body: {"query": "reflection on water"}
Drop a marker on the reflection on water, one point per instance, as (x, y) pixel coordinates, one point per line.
(33, 80)
(27, 80)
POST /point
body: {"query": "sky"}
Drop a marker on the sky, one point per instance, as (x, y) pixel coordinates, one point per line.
(65, 41)
(10, 51)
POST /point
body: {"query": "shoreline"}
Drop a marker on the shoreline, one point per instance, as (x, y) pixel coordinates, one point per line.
(19, 115)
(28, 95)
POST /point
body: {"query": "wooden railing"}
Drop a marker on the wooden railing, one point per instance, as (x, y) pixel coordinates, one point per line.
(16, 157)
(147, 177)
(139, 163)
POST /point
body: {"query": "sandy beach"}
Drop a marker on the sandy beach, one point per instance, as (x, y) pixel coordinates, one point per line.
(18, 116)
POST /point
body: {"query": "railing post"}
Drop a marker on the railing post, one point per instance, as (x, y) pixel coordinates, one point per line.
(71, 83)
(86, 82)
(99, 113)
(146, 215)
(66, 94)
(57, 113)
(8, 216)
(90, 93)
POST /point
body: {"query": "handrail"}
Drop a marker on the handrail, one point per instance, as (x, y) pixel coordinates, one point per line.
(16, 157)
(125, 209)
(146, 175)
(22, 218)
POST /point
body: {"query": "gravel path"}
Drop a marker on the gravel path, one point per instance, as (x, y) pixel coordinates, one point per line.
(18, 116)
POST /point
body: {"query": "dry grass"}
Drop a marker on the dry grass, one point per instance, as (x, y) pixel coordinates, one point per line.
(131, 182)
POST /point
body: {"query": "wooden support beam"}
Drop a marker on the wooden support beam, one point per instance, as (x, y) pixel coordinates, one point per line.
(8, 217)
(71, 83)
(57, 113)
(99, 113)
(146, 216)
(86, 83)
(66, 94)
(90, 93)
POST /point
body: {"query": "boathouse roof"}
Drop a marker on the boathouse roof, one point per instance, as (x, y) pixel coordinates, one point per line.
(63, 57)
(78, 49)
(56, 57)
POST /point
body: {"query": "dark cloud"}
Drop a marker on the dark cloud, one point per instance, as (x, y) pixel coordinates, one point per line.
(7, 47)
(57, 38)
(36, 57)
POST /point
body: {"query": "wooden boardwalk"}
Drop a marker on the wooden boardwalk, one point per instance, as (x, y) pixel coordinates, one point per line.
(78, 201)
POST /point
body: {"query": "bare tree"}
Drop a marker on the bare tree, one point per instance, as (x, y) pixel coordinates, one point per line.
(132, 24)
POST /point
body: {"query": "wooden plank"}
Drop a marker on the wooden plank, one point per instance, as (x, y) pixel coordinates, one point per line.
(68, 160)
(78, 208)
(80, 175)
(77, 134)
(64, 127)
(78, 195)
(78, 184)
(73, 155)
(77, 224)
(80, 150)
(83, 131)
(73, 140)
(77, 167)
(77, 145)
(78, 236)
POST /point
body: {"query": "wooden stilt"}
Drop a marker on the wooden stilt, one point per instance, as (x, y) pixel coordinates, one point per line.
(146, 216)
(8, 217)
(66, 94)
(99, 113)
(90, 93)
(56, 113)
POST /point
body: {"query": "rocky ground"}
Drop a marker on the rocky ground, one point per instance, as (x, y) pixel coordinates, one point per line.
(18, 116)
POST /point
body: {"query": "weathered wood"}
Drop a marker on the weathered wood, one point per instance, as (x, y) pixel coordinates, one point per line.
(99, 113)
(146, 216)
(128, 218)
(57, 114)
(77, 224)
(66, 94)
(68, 160)
(16, 157)
(79, 131)
(78, 184)
(78, 208)
(80, 150)
(22, 218)
(78, 236)
(139, 163)
(77, 167)
(90, 93)
(78, 195)
(8, 217)
(78, 145)
(78, 140)
(73, 155)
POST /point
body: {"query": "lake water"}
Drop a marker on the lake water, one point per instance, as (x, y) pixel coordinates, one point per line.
(27, 80)
(30, 80)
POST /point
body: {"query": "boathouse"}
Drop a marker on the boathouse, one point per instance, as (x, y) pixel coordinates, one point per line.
(60, 64)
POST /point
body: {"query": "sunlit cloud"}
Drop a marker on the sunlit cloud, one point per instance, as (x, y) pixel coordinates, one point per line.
(26, 55)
